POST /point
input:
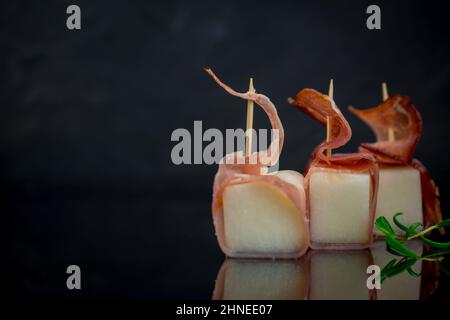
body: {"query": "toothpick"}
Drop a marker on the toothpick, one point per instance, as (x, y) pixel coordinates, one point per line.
(391, 134)
(384, 90)
(330, 94)
(331, 89)
(248, 133)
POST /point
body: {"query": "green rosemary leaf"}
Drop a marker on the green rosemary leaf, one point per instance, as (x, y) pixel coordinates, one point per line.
(413, 273)
(434, 244)
(386, 269)
(383, 225)
(399, 267)
(392, 251)
(390, 264)
(397, 223)
(398, 246)
(412, 229)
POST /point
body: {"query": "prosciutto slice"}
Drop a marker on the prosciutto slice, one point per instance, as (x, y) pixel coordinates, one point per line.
(236, 168)
(398, 114)
(320, 106)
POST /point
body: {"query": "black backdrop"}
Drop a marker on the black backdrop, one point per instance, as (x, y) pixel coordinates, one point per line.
(86, 119)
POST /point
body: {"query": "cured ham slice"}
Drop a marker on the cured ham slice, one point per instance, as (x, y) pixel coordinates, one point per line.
(399, 115)
(341, 189)
(405, 184)
(262, 280)
(258, 214)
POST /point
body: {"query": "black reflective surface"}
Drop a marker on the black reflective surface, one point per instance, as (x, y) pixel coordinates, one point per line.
(86, 118)
(124, 252)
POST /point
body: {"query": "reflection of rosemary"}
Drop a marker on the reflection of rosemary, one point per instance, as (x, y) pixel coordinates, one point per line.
(396, 245)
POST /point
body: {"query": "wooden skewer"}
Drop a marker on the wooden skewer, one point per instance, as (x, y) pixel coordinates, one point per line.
(330, 94)
(384, 90)
(391, 134)
(248, 133)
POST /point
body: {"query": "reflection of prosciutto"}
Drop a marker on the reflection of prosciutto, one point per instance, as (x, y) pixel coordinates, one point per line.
(341, 189)
(255, 213)
(395, 157)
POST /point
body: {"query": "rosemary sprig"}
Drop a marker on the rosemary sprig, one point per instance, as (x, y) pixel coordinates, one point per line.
(396, 245)
(395, 267)
(411, 232)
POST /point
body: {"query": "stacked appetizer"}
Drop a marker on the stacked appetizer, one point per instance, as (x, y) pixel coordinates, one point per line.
(340, 188)
(405, 184)
(258, 214)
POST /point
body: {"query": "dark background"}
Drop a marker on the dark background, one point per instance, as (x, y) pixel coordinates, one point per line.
(86, 118)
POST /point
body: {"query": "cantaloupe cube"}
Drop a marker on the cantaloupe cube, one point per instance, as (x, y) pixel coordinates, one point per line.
(339, 208)
(259, 218)
(399, 190)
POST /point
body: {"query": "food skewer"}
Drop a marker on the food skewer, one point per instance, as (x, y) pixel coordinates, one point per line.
(404, 184)
(248, 132)
(257, 214)
(341, 189)
(330, 94)
(384, 90)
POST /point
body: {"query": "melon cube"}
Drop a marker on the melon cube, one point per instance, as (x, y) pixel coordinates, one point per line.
(399, 190)
(339, 208)
(260, 219)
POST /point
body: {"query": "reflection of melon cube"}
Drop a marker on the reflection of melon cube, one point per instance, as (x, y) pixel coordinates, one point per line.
(259, 218)
(263, 280)
(399, 190)
(339, 208)
(339, 275)
(402, 286)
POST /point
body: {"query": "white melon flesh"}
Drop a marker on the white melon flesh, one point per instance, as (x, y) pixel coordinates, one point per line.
(399, 190)
(339, 211)
(402, 286)
(339, 275)
(259, 218)
(265, 280)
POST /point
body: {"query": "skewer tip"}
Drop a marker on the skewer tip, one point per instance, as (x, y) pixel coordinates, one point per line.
(384, 91)
(251, 88)
(248, 141)
(331, 89)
